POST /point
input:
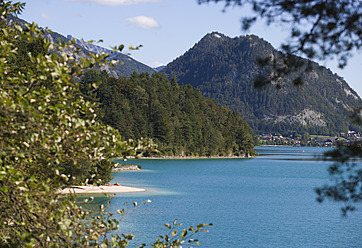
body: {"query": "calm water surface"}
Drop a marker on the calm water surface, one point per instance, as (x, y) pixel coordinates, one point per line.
(268, 201)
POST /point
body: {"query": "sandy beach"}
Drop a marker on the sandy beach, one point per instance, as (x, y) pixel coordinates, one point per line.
(100, 189)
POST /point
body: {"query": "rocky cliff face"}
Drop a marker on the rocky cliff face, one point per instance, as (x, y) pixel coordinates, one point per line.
(307, 116)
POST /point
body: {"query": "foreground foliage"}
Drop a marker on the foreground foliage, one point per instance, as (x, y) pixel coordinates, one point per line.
(50, 136)
(346, 174)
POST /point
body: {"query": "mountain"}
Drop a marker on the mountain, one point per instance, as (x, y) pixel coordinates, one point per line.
(224, 68)
(125, 67)
(160, 68)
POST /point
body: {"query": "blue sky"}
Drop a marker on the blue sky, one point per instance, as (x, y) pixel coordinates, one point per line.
(165, 28)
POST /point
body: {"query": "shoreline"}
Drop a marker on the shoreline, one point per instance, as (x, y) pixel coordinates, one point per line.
(296, 146)
(100, 189)
(190, 157)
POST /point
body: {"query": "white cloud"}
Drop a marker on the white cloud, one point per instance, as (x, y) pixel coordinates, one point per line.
(44, 15)
(143, 22)
(117, 2)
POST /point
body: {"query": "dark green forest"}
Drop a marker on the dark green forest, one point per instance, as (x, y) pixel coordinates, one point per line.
(177, 117)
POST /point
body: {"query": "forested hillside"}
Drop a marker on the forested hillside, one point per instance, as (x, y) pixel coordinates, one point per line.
(224, 68)
(177, 117)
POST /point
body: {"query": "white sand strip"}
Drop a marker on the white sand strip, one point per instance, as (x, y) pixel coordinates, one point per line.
(100, 189)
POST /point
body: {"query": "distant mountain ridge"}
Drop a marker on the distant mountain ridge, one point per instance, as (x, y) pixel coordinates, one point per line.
(125, 67)
(159, 68)
(223, 68)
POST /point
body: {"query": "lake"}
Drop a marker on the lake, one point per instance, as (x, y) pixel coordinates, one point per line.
(267, 201)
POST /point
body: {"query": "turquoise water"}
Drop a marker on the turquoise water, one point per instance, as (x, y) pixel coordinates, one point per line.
(268, 201)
